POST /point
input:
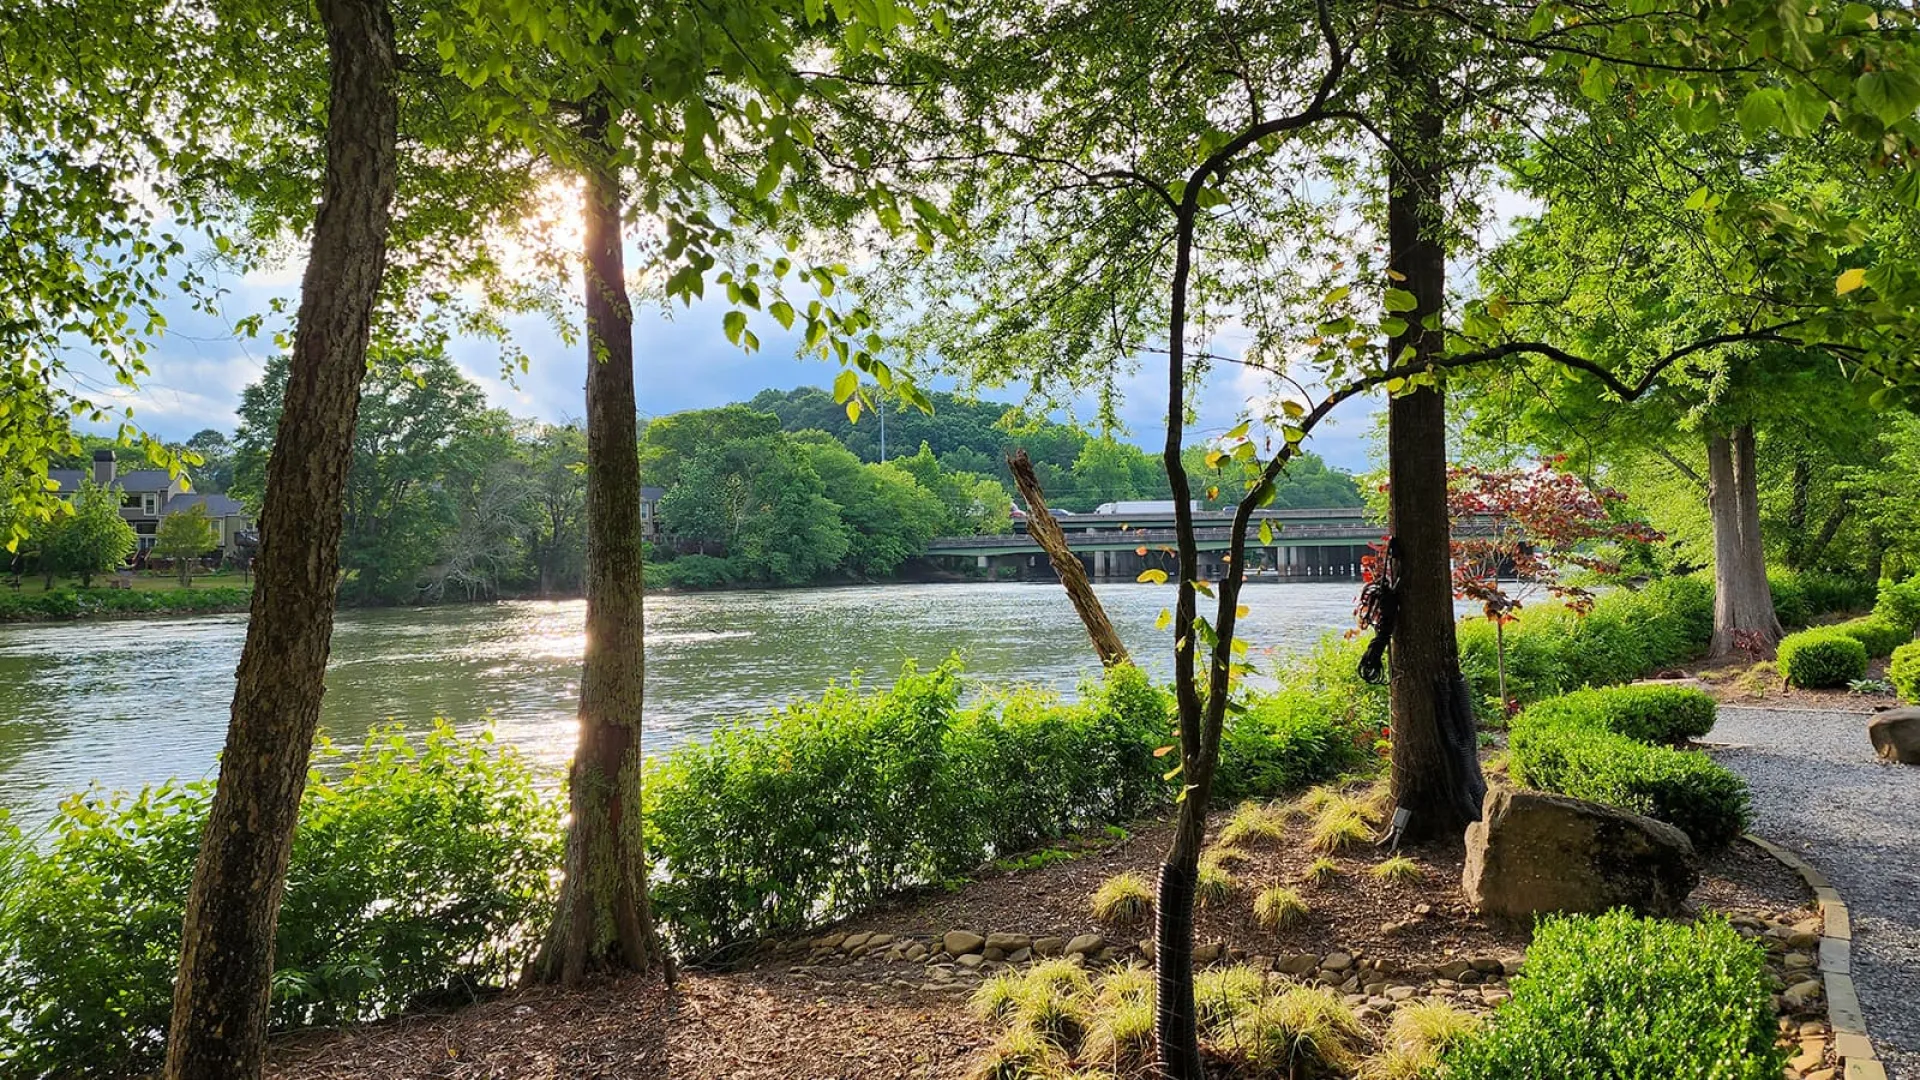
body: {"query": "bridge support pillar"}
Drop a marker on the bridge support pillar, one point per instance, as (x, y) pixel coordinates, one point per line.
(1102, 565)
(984, 562)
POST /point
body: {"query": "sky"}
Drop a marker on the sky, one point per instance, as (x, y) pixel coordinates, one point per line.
(684, 361)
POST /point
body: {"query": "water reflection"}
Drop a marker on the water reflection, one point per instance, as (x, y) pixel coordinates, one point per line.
(126, 703)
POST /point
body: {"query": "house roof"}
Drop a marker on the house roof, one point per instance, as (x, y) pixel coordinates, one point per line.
(68, 479)
(133, 481)
(218, 506)
(648, 493)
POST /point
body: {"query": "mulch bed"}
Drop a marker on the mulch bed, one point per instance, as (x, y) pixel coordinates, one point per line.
(1737, 682)
(799, 1011)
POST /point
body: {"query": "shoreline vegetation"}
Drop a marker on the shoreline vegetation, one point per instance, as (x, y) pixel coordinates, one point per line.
(782, 821)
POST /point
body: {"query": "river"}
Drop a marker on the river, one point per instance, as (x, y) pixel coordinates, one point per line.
(132, 702)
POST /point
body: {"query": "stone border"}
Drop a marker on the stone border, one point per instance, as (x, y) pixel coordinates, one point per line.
(1851, 1045)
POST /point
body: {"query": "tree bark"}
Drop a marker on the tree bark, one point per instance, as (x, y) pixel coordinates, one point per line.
(221, 997)
(604, 921)
(1743, 616)
(1434, 783)
(1046, 532)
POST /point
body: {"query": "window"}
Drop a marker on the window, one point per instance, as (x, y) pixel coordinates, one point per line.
(149, 505)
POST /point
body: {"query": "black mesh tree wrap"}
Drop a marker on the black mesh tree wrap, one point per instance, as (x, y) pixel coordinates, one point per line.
(1378, 606)
(1174, 1026)
(1461, 740)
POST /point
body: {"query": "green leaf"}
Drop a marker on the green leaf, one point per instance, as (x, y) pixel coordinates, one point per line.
(844, 384)
(1890, 94)
(1153, 576)
(1762, 110)
(1266, 532)
(735, 324)
(1401, 300)
(1165, 620)
(1393, 327)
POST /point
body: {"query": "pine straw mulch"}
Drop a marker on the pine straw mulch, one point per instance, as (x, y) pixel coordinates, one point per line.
(792, 1015)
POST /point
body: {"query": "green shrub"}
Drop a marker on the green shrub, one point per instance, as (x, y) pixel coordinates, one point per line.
(1653, 714)
(827, 806)
(1899, 604)
(418, 874)
(695, 572)
(1878, 636)
(1287, 740)
(83, 603)
(1821, 657)
(1621, 998)
(1789, 599)
(1903, 671)
(1825, 592)
(1685, 788)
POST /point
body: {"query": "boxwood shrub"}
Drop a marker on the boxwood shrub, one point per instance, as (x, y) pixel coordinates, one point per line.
(1879, 636)
(1684, 788)
(1653, 714)
(1822, 657)
(1622, 998)
(1903, 671)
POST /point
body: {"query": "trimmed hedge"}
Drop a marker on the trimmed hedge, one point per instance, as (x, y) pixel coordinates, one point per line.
(1684, 788)
(1877, 635)
(1629, 634)
(1903, 671)
(1622, 998)
(1822, 657)
(1899, 603)
(84, 603)
(1651, 714)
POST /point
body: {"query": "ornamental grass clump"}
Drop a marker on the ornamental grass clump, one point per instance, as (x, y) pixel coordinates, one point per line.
(1420, 1034)
(1321, 871)
(1278, 907)
(1399, 869)
(1214, 885)
(1254, 823)
(1303, 1031)
(1616, 996)
(1123, 899)
(1337, 831)
(1223, 993)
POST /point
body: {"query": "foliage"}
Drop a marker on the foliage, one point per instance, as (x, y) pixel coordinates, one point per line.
(1903, 671)
(1287, 740)
(825, 807)
(1650, 714)
(761, 503)
(1213, 884)
(1399, 868)
(1556, 750)
(1899, 603)
(1293, 1031)
(1878, 636)
(417, 873)
(183, 537)
(1621, 998)
(1278, 907)
(1338, 831)
(1628, 634)
(1123, 899)
(1321, 871)
(76, 604)
(1419, 1036)
(90, 539)
(1254, 823)
(1822, 657)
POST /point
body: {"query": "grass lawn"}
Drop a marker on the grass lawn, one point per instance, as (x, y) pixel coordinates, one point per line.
(142, 582)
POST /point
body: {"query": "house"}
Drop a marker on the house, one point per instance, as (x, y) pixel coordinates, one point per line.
(650, 511)
(149, 495)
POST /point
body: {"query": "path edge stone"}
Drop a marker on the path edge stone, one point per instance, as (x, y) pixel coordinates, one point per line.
(1852, 1047)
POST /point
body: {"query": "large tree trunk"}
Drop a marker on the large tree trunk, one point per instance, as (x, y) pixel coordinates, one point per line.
(1046, 532)
(604, 922)
(1743, 615)
(1436, 781)
(221, 997)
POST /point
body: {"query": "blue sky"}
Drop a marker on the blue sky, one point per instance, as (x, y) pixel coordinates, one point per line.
(199, 369)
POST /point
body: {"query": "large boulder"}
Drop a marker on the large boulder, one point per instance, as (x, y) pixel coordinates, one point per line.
(1896, 735)
(1532, 853)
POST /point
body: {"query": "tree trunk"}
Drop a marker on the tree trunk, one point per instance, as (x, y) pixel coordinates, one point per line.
(1436, 780)
(604, 922)
(1743, 615)
(1046, 532)
(221, 997)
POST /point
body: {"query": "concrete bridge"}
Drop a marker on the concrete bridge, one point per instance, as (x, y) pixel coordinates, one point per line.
(1121, 545)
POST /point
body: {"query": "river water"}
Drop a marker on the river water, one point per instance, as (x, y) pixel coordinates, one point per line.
(128, 703)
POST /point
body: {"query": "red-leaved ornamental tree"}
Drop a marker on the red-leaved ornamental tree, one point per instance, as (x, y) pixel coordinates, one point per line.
(1517, 530)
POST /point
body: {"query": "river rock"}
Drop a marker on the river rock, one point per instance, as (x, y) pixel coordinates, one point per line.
(962, 942)
(1299, 964)
(1895, 735)
(1049, 946)
(1086, 944)
(1533, 853)
(1337, 961)
(854, 941)
(1009, 943)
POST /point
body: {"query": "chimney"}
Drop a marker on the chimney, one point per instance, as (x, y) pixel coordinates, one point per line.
(103, 468)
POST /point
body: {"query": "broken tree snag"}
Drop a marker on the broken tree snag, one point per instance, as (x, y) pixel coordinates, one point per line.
(1073, 577)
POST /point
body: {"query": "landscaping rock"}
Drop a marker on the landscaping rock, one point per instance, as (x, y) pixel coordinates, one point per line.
(1009, 943)
(961, 942)
(1300, 964)
(854, 941)
(1020, 956)
(1895, 735)
(916, 952)
(1208, 953)
(1802, 994)
(993, 953)
(1453, 969)
(1337, 961)
(1049, 946)
(1533, 853)
(970, 960)
(829, 941)
(1085, 944)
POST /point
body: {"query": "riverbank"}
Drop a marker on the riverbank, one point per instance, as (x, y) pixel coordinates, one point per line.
(70, 604)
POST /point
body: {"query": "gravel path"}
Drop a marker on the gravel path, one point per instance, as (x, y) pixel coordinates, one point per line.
(1819, 789)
